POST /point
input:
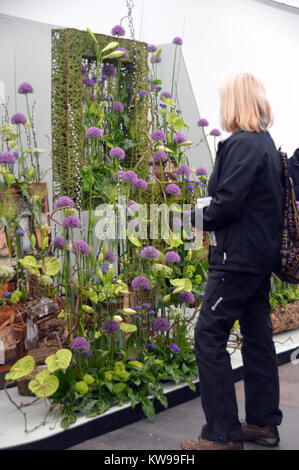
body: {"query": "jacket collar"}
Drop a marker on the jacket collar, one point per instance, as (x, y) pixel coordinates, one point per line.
(296, 157)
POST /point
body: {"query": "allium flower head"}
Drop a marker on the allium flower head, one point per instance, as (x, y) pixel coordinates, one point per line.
(118, 175)
(59, 243)
(190, 187)
(112, 326)
(160, 157)
(126, 54)
(178, 41)
(80, 344)
(117, 152)
(203, 123)
(109, 256)
(166, 94)
(140, 282)
(94, 133)
(18, 119)
(215, 133)
(149, 252)
(72, 222)
(118, 30)
(152, 48)
(63, 201)
(177, 222)
(158, 135)
(7, 157)
(150, 346)
(142, 92)
(25, 88)
(179, 139)
(140, 184)
(201, 171)
(88, 82)
(118, 106)
(20, 232)
(6, 295)
(175, 348)
(108, 70)
(184, 170)
(82, 247)
(130, 176)
(187, 297)
(161, 325)
(156, 60)
(156, 88)
(173, 189)
(83, 70)
(172, 257)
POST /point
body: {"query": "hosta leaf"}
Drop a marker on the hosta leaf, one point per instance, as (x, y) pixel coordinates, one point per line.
(60, 360)
(21, 368)
(44, 385)
(30, 263)
(51, 266)
(130, 311)
(128, 327)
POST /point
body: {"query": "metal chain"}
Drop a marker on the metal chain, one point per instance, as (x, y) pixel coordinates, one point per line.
(130, 6)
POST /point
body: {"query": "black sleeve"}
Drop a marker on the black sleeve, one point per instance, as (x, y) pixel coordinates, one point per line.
(241, 162)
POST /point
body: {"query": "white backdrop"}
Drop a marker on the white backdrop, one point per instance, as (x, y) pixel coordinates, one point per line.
(221, 38)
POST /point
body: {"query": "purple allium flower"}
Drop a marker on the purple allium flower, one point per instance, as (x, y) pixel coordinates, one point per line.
(112, 326)
(109, 256)
(82, 247)
(130, 176)
(178, 111)
(135, 223)
(72, 222)
(15, 154)
(137, 307)
(178, 41)
(118, 175)
(179, 139)
(83, 70)
(7, 157)
(94, 79)
(173, 190)
(160, 157)
(63, 201)
(133, 208)
(175, 348)
(190, 187)
(151, 48)
(172, 257)
(117, 152)
(140, 184)
(20, 232)
(140, 282)
(146, 305)
(142, 92)
(203, 123)
(88, 82)
(161, 325)
(104, 268)
(118, 30)
(149, 252)
(156, 60)
(109, 70)
(215, 133)
(166, 94)
(177, 222)
(126, 54)
(184, 170)
(162, 105)
(158, 135)
(187, 297)
(152, 312)
(18, 119)
(6, 295)
(201, 171)
(80, 344)
(132, 358)
(118, 106)
(93, 133)
(25, 88)
(92, 97)
(150, 346)
(104, 77)
(59, 243)
(156, 88)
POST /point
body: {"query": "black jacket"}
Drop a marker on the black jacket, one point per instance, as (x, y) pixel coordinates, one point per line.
(246, 207)
(293, 166)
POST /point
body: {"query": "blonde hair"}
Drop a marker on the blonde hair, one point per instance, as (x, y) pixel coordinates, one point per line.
(244, 104)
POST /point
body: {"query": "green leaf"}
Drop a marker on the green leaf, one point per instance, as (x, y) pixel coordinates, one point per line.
(156, 82)
(119, 387)
(128, 327)
(161, 269)
(44, 385)
(21, 368)
(114, 55)
(51, 266)
(129, 311)
(111, 45)
(30, 263)
(178, 124)
(92, 36)
(33, 240)
(68, 420)
(135, 241)
(148, 408)
(60, 360)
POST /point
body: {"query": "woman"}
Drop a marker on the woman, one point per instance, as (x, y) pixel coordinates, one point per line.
(246, 215)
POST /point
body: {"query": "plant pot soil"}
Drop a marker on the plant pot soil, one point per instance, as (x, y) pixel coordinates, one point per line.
(285, 319)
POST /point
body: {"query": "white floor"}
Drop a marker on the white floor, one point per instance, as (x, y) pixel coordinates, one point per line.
(12, 421)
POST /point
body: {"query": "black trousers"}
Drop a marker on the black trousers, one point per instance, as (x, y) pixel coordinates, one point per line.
(231, 296)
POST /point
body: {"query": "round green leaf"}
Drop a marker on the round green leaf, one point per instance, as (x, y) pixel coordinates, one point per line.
(51, 266)
(21, 368)
(127, 327)
(44, 384)
(60, 360)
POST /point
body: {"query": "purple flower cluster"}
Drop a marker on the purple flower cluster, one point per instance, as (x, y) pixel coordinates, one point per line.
(109, 256)
(81, 247)
(130, 176)
(215, 133)
(156, 88)
(7, 157)
(25, 88)
(158, 135)
(161, 325)
(109, 70)
(177, 222)
(178, 41)
(166, 94)
(140, 184)
(126, 54)
(172, 257)
(63, 201)
(203, 123)
(160, 157)
(117, 152)
(184, 170)
(201, 171)
(94, 133)
(118, 106)
(179, 139)
(118, 175)
(151, 48)
(140, 282)
(187, 297)
(173, 190)
(142, 92)
(72, 222)
(112, 326)
(156, 60)
(58, 243)
(88, 82)
(18, 119)
(149, 252)
(80, 344)
(175, 348)
(118, 30)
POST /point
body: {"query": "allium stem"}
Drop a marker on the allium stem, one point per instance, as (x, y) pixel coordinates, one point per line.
(173, 72)
(209, 149)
